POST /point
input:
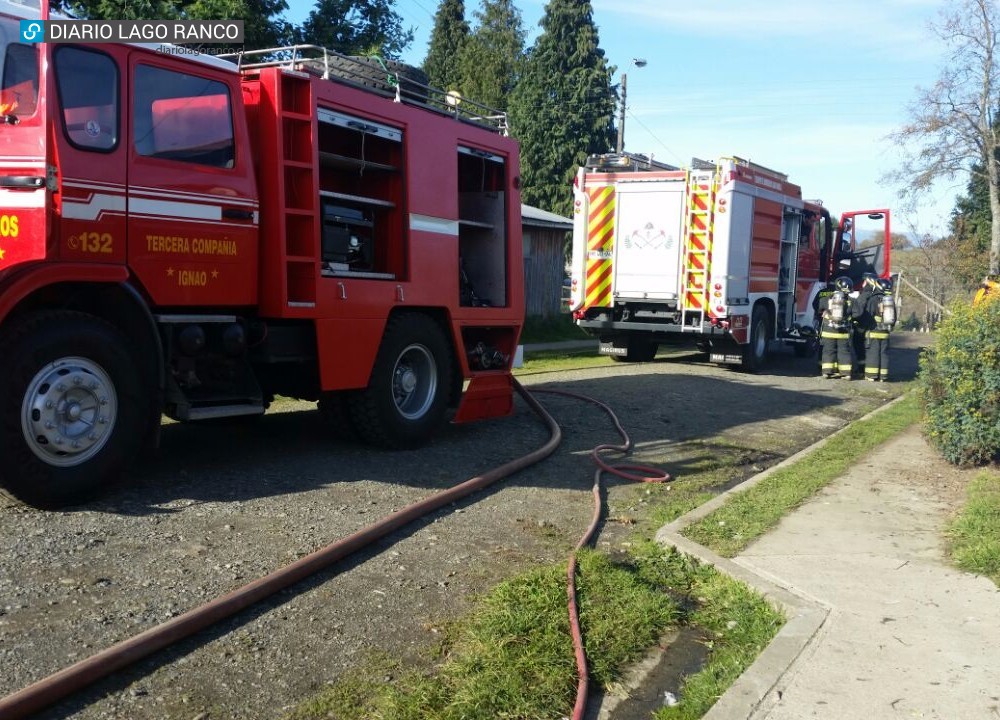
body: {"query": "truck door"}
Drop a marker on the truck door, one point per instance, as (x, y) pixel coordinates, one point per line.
(648, 226)
(864, 242)
(90, 152)
(191, 196)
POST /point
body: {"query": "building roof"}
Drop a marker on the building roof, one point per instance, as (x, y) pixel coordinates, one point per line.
(536, 217)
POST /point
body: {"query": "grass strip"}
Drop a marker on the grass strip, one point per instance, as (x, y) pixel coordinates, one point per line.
(551, 329)
(974, 536)
(513, 656)
(749, 514)
(737, 624)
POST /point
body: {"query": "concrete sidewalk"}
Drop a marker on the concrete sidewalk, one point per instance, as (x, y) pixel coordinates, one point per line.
(880, 626)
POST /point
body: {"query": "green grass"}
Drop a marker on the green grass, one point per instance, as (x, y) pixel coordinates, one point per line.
(738, 624)
(559, 360)
(513, 656)
(975, 534)
(552, 329)
(750, 514)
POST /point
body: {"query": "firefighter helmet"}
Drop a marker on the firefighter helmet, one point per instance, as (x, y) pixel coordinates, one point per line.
(885, 284)
(844, 284)
(869, 279)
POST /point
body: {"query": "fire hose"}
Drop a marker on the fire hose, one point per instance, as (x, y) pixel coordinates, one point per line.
(48, 690)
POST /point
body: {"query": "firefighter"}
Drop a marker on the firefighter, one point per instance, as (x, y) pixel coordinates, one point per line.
(863, 321)
(882, 309)
(837, 309)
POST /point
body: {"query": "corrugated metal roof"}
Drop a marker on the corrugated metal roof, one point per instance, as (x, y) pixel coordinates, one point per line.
(536, 217)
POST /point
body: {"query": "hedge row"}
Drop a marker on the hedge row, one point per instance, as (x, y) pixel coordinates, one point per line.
(960, 385)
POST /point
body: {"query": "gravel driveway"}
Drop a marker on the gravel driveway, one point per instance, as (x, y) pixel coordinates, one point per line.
(220, 507)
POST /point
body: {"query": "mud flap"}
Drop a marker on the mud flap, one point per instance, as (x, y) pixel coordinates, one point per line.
(487, 396)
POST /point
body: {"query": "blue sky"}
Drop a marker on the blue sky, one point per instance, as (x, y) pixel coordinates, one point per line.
(807, 87)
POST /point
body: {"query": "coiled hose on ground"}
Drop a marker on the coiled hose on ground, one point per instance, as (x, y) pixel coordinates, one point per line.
(48, 690)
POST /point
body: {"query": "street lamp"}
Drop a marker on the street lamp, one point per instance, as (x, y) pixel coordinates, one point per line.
(639, 63)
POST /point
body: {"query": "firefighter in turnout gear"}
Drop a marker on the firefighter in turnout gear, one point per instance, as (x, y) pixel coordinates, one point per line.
(837, 309)
(882, 309)
(863, 320)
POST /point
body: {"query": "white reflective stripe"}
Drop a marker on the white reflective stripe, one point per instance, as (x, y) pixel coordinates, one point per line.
(187, 211)
(136, 190)
(22, 198)
(93, 185)
(426, 223)
(91, 208)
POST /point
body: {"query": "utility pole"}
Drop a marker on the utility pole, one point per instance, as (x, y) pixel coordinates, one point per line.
(620, 146)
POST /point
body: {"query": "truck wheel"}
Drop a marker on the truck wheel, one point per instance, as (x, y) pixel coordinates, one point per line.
(407, 394)
(333, 411)
(755, 351)
(72, 410)
(806, 349)
(637, 351)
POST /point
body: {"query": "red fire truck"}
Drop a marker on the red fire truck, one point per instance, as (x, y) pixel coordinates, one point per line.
(189, 236)
(725, 255)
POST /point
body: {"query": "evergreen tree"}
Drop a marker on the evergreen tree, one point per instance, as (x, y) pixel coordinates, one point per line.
(356, 27)
(450, 33)
(970, 227)
(491, 60)
(563, 107)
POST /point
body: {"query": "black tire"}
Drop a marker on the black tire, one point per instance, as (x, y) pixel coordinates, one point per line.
(407, 393)
(637, 351)
(806, 349)
(72, 408)
(335, 416)
(380, 74)
(755, 351)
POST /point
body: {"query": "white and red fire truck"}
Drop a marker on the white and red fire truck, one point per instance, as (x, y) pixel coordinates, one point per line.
(725, 255)
(183, 235)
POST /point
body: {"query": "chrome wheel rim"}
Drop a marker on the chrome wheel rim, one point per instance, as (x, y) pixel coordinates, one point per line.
(414, 382)
(68, 411)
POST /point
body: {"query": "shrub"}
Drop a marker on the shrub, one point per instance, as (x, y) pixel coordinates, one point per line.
(960, 385)
(911, 323)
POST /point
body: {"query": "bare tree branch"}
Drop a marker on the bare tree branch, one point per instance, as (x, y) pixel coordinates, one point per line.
(952, 129)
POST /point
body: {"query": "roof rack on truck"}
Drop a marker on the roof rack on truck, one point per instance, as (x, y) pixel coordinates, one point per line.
(403, 83)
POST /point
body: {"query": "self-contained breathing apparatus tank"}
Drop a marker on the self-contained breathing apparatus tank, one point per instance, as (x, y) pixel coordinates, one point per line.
(887, 309)
(835, 307)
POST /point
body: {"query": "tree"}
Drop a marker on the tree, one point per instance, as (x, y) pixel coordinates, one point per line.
(262, 25)
(953, 124)
(970, 227)
(563, 108)
(490, 62)
(450, 33)
(356, 27)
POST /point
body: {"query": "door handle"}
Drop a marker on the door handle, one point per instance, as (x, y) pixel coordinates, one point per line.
(237, 214)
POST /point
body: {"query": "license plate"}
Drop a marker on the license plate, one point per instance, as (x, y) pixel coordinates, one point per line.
(725, 358)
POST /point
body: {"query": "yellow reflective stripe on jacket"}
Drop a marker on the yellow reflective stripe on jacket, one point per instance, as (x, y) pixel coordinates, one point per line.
(835, 335)
(876, 335)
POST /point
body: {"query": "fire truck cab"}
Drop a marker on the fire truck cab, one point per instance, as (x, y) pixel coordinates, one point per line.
(192, 236)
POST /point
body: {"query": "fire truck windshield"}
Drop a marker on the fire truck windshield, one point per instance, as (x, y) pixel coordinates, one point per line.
(18, 73)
